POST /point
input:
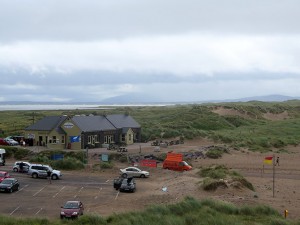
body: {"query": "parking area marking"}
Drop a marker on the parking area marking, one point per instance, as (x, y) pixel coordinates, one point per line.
(39, 191)
(58, 192)
(14, 210)
(100, 189)
(117, 195)
(75, 196)
(23, 187)
(38, 211)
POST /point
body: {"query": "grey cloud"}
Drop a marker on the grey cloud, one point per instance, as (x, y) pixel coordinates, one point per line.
(94, 19)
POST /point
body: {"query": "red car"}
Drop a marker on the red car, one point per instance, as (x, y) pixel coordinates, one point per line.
(3, 142)
(3, 175)
(72, 209)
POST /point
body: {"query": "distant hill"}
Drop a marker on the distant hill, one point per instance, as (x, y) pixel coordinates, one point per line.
(146, 99)
(266, 98)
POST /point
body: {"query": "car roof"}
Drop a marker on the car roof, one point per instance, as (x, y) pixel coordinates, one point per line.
(10, 178)
(131, 167)
(73, 201)
(38, 165)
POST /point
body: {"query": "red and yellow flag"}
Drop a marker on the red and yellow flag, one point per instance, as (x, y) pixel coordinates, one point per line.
(268, 160)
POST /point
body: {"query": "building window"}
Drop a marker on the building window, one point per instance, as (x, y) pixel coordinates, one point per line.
(89, 139)
(54, 139)
(129, 137)
(108, 139)
(62, 139)
(96, 139)
(123, 138)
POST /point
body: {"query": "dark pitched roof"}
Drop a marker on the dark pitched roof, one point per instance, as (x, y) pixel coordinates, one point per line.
(48, 123)
(92, 123)
(121, 121)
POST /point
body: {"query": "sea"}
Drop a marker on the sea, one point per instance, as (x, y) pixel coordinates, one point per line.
(30, 107)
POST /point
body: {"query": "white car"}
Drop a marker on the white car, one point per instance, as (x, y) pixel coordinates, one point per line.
(25, 165)
(134, 172)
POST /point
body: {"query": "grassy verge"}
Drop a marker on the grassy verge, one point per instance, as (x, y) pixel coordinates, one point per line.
(221, 176)
(187, 212)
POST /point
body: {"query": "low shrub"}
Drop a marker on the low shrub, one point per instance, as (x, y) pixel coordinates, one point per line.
(106, 165)
(212, 184)
(68, 163)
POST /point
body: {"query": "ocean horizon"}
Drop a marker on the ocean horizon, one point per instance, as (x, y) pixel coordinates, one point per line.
(14, 107)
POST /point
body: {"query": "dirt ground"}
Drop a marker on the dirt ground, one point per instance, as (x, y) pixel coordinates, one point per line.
(286, 195)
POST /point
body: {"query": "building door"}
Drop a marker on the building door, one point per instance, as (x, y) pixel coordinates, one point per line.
(40, 141)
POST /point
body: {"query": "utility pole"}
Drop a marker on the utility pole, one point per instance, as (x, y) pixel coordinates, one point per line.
(33, 118)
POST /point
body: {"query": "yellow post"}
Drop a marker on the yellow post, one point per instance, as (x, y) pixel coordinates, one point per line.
(286, 213)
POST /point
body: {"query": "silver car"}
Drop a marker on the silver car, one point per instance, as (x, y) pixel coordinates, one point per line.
(40, 171)
(25, 165)
(134, 172)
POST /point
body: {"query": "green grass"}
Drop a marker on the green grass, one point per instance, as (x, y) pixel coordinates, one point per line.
(250, 130)
(188, 212)
(220, 176)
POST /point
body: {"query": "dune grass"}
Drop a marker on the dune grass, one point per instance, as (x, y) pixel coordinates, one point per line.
(187, 212)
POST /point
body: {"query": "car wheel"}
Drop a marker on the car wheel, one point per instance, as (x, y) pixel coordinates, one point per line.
(54, 177)
(15, 169)
(143, 176)
(61, 217)
(124, 175)
(11, 190)
(34, 175)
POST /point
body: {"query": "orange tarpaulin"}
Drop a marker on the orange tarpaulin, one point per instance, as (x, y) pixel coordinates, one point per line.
(174, 157)
(148, 163)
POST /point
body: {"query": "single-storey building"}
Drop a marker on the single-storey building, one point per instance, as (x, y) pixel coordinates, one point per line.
(80, 132)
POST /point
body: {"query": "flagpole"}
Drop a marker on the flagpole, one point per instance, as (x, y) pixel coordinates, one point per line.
(273, 175)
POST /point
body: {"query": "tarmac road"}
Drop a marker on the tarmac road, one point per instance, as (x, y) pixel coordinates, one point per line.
(38, 198)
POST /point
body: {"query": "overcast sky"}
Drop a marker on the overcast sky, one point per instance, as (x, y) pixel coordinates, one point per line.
(169, 50)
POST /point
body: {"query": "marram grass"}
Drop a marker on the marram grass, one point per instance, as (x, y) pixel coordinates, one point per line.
(188, 212)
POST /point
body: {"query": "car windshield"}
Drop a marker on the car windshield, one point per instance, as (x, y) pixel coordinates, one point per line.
(185, 163)
(71, 205)
(127, 181)
(7, 182)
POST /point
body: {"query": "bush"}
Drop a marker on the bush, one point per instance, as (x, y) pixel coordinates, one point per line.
(212, 184)
(217, 172)
(67, 164)
(214, 153)
(106, 165)
(21, 153)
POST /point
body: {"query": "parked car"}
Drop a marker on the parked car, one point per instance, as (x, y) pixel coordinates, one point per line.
(134, 172)
(3, 142)
(9, 185)
(17, 166)
(4, 175)
(40, 171)
(71, 209)
(125, 184)
(11, 142)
